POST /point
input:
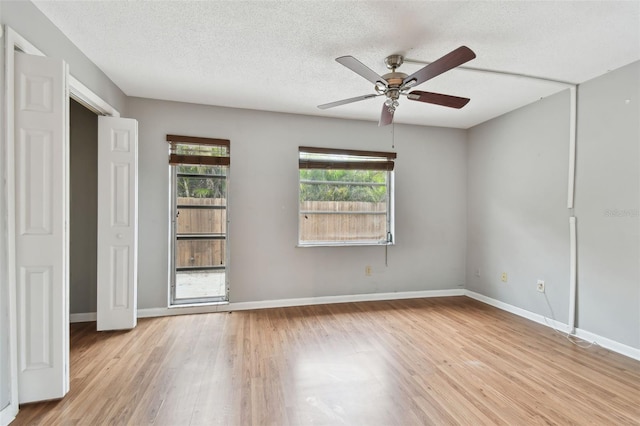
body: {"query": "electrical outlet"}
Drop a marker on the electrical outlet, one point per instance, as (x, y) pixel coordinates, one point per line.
(477, 272)
(367, 270)
(504, 277)
(540, 286)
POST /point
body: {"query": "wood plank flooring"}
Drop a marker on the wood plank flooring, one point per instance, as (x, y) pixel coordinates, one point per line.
(409, 362)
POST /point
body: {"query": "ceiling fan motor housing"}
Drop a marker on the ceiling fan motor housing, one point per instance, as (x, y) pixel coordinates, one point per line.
(394, 79)
(394, 89)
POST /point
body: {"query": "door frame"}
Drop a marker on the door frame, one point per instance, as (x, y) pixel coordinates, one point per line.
(88, 99)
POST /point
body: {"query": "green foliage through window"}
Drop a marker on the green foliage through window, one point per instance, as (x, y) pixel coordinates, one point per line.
(343, 185)
(201, 181)
(197, 184)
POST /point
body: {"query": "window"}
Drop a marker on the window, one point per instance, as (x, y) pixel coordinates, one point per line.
(200, 169)
(346, 197)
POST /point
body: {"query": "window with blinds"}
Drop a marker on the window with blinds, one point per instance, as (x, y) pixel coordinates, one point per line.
(345, 197)
(200, 168)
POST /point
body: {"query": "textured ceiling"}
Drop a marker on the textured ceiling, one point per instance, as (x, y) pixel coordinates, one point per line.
(279, 56)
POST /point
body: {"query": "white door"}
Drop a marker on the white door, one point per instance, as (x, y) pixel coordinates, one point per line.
(117, 223)
(40, 156)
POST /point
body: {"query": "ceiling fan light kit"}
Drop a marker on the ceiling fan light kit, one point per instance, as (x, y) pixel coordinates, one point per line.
(395, 84)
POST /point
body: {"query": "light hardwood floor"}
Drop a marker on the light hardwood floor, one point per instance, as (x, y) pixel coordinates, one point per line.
(409, 362)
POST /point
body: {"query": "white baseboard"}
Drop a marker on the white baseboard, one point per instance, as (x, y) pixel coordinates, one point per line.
(540, 319)
(282, 303)
(612, 345)
(83, 317)
(8, 414)
(325, 300)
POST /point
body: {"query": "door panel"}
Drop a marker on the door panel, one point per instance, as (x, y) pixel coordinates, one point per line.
(41, 209)
(117, 223)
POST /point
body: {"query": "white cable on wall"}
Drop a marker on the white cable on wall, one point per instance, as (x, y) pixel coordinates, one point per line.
(572, 275)
(573, 91)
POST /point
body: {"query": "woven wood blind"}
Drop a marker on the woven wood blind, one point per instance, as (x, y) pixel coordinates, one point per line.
(205, 158)
(353, 159)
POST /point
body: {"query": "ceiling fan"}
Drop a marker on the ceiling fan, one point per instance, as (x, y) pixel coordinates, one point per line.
(394, 84)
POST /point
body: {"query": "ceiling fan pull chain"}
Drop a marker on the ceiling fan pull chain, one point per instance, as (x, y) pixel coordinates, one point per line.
(393, 135)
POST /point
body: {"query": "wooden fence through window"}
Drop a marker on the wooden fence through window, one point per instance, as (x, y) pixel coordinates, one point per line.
(200, 221)
(347, 221)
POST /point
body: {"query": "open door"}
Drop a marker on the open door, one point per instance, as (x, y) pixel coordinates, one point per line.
(117, 223)
(40, 157)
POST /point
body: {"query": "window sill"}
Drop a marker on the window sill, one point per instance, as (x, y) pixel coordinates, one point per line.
(345, 244)
(197, 304)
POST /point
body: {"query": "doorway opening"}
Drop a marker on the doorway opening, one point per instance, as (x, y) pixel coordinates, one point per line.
(83, 211)
(199, 233)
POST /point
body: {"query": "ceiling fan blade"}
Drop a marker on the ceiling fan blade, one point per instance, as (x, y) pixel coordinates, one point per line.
(359, 68)
(451, 60)
(346, 101)
(438, 99)
(386, 117)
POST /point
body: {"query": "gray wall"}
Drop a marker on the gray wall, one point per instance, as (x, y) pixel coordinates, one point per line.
(5, 383)
(607, 205)
(517, 215)
(83, 239)
(517, 207)
(26, 19)
(265, 263)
